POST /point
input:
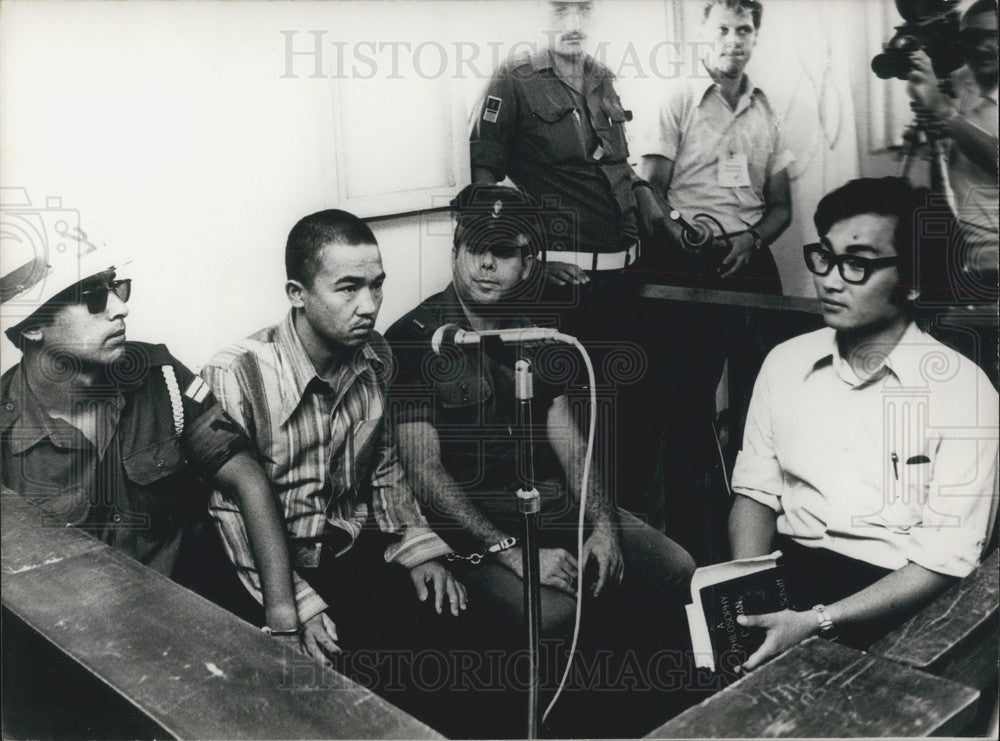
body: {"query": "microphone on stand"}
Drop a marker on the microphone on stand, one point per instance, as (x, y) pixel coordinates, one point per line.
(449, 335)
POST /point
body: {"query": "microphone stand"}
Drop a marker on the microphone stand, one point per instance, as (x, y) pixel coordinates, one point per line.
(529, 504)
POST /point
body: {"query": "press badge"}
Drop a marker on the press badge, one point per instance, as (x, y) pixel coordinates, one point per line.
(734, 171)
(491, 110)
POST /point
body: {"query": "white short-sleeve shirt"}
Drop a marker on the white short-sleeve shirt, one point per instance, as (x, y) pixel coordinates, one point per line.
(697, 129)
(897, 467)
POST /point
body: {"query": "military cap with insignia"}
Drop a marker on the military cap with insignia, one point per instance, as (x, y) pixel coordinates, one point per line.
(497, 217)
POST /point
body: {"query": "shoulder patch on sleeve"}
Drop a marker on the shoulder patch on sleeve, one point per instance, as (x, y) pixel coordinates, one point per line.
(197, 390)
(491, 109)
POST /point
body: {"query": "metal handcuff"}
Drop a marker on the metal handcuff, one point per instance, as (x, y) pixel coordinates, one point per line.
(476, 558)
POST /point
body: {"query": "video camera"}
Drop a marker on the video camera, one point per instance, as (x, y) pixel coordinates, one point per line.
(931, 25)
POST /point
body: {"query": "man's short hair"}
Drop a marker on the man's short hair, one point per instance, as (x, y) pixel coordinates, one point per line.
(755, 7)
(925, 227)
(314, 232)
(981, 6)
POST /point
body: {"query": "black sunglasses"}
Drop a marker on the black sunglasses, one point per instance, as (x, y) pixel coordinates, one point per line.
(96, 299)
(853, 269)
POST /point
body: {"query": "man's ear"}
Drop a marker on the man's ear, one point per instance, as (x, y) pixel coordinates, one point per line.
(527, 263)
(294, 290)
(913, 294)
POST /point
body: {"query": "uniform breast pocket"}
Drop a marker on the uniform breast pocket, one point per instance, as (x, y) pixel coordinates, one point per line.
(609, 124)
(460, 402)
(556, 130)
(154, 462)
(157, 494)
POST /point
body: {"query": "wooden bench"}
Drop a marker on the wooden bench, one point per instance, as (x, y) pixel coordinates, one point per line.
(822, 689)
(195, 671)
(956, 635)
(187, 665)
(923, 678)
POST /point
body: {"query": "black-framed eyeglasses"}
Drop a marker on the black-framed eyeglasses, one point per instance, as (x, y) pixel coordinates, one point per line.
(96, 299)
(853, 269)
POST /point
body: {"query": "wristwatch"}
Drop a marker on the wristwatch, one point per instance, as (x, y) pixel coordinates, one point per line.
(827, 629)
(758, 242)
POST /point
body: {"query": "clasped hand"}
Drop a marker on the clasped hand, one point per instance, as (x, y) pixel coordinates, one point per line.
(558, 568)
(739, 254)
(443, 583)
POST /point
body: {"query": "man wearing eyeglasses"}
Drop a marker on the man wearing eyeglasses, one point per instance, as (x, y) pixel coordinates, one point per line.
(112, 435)
(869, 455)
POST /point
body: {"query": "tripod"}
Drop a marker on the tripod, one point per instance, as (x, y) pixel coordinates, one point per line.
(919, 142)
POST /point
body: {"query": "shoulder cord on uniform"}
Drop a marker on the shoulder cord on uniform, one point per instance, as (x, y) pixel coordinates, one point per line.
(174, 390)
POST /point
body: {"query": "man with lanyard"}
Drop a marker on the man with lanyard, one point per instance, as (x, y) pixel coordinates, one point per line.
(553, 123)
(118, 437)
(870, 453)
(715, 148)
(457, 424)
(310, 393)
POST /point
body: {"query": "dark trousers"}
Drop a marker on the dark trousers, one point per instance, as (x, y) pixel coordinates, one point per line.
(633, 646)
(645, 607)
(819, 576)
(400, 647)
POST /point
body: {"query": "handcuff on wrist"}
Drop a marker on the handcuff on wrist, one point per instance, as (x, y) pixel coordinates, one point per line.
(476, 558)
(274, 632)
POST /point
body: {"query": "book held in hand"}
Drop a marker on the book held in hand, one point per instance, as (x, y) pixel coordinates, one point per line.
(721, 592)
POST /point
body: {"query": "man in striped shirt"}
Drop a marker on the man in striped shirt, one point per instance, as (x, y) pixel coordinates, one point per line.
(310, 393)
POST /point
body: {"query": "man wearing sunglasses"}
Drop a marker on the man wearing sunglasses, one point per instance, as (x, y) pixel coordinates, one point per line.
(116, 437)
(969, 121)
(869, 455)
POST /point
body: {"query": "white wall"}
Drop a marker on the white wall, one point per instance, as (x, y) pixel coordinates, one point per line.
(177, 127)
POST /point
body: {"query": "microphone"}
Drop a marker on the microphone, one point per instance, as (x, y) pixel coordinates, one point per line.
(452, 334)
(695, 236)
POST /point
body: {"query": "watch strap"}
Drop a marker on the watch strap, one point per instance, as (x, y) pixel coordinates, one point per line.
(826, 627)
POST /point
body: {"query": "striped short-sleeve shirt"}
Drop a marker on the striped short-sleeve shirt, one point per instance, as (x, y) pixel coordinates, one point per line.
(324, 446)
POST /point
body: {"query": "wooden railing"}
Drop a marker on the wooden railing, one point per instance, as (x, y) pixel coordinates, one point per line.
(191, 668)
(923, 679)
